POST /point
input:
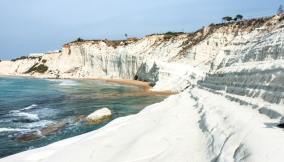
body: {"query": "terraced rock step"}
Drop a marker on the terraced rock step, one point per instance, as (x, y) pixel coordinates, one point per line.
(253, 82)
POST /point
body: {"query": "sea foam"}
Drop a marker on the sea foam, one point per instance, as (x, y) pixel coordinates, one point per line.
(23, 116)
(12, 130)
(68, 83)
(64, 82)
(38, 124)
(33, 106)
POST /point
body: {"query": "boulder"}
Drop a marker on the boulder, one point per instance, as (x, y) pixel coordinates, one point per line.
(99, 116)
(31, 136)
(281, 125)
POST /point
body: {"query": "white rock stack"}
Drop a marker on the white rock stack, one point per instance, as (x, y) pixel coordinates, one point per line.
(99, 116)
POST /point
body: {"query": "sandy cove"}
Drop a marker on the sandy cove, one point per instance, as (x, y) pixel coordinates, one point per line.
(143, 85)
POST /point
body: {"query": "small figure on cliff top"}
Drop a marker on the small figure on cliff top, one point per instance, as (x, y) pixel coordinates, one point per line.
(280, 10)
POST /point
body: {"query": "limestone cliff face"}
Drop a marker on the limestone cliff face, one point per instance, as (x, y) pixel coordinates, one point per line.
(252, 65)
(137, 59)
(169, 61)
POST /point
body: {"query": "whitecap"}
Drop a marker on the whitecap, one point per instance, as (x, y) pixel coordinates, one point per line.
(44, 113)
(68, 83)
(12, 130)
(53, 80)
(29, 107)
(64, 82)
(23, 109)
(39, 124)
(14, 111)
(23, 116)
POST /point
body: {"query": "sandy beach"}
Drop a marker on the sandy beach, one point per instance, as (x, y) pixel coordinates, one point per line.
(143, 85)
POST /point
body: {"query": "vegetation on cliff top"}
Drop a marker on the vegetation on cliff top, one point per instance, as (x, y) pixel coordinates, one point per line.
(193, 38)
(111, 43)
(26, 57)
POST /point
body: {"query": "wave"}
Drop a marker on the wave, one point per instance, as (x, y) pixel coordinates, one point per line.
(29, 114)
(53, 80)
(33, 106)
(68, 83)
(30, 107)
(13, 130)
(25, 117)
(64, 82)
(46, 113)
(38, 124)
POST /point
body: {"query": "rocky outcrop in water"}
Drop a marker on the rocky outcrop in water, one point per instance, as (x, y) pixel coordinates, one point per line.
(99, 116)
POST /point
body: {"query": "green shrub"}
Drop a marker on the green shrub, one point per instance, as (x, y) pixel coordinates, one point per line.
(173, 33)
(20, 58)
(38, 68)
(26, 57)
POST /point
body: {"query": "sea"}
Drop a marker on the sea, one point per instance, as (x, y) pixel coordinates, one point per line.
(38, 112)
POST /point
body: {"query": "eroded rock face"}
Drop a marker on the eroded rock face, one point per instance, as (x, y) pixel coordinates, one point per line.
(99, 116)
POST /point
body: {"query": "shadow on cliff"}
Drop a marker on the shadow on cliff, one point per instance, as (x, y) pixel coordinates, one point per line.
(148, 75)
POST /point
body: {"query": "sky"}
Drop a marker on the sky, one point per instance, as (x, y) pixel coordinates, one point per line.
(32, 26)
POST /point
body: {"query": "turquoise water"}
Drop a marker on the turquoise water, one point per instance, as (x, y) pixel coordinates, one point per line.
(37, 112)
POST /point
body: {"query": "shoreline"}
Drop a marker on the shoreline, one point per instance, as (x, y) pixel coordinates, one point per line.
(61, 124)
(142, 84)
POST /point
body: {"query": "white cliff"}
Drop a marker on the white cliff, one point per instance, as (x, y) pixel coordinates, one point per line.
(230, 81)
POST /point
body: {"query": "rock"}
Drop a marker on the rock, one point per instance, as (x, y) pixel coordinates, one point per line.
(80, 118)
(282, 120)
(29, 137)
(99, 116)
(280, 125)
(50, 129)
(53, 128)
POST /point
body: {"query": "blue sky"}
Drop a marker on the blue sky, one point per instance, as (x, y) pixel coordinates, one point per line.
(29, 26)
